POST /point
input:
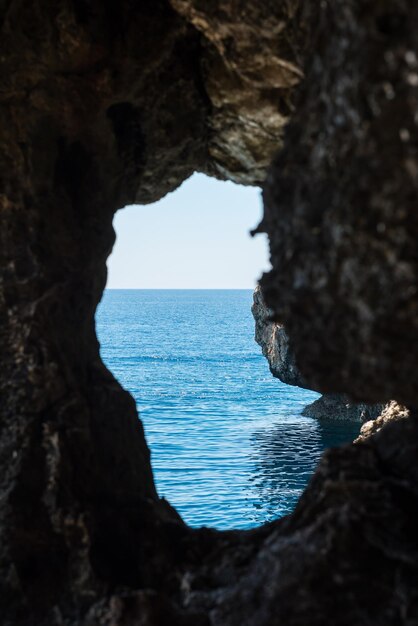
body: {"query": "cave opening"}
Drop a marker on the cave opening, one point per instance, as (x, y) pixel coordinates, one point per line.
(106, 103)
(229, 446)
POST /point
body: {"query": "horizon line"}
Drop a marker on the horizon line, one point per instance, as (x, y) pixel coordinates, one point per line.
(180, 288)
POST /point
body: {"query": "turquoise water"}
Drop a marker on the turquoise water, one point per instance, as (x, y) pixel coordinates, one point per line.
(229, 446)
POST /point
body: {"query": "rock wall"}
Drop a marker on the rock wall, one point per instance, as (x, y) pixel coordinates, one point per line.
(340, 206)
(109, 103)
(251, 63)
(274, 342)
(338, 406)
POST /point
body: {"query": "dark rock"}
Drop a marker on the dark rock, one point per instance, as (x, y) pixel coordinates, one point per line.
(274, 342)
(103, 104)
(251, 62)
(107, 103)
(340, 205)
(338, 406)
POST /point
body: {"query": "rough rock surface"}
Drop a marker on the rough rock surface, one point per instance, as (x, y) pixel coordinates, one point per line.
(274, 342)
(392, 412)
(338, 406)
(340, 205)
(251, 62)
(107, 103)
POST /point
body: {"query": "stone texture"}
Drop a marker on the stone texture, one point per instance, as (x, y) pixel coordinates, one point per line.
(274, 342)
(107, 103)
(392, 412)
(340, 205)
(338, 406)
(251, 62)
(102, 105)
(84, 129)
(347, 555)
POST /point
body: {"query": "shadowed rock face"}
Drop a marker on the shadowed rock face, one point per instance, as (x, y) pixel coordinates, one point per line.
(104, 104)
(340, 206)
(338, 406)
(274, 342)
(251, 62)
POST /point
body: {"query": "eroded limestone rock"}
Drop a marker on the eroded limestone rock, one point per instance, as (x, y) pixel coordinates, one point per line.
(392, 412)
(339, 406)
(251, 63)
(340, 206)
(107, 103)
(102, 105)
(274, 342)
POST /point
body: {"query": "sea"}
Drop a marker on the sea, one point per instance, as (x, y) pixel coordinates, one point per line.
(229, 446)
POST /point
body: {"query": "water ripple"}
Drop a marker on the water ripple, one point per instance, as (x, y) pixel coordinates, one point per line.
(229, 446)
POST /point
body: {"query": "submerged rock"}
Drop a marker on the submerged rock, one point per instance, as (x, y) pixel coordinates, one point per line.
(274, 342)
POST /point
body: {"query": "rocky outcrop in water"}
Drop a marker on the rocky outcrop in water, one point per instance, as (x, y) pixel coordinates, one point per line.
(339, 206)
(274, 342)
(339, 407)
(105, 104)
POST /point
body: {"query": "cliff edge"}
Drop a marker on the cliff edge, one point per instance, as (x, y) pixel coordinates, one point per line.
(274, 342)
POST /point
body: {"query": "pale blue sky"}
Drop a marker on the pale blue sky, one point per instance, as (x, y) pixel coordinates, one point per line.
(195, 238)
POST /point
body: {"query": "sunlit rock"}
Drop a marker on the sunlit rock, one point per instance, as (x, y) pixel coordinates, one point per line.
(392, 412)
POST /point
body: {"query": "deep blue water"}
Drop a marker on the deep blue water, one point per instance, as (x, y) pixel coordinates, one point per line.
(229, 446)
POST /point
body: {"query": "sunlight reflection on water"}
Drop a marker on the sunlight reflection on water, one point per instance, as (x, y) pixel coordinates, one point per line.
(229, 446)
